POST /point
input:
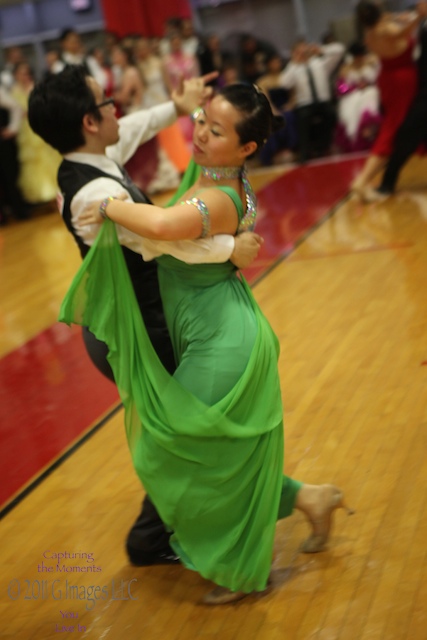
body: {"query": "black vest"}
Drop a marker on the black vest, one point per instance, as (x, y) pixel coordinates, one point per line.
(72, 176)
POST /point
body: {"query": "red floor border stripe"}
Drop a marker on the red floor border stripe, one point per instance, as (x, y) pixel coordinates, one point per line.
(295, 203)
(50, 393)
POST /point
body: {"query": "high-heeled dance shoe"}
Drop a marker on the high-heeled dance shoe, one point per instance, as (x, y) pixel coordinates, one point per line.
(371, 196)
(222, 595)
(319, 512)
(357, 194)
(367, 195)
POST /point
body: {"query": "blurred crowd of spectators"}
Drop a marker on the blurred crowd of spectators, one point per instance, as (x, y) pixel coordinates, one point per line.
(327, 96)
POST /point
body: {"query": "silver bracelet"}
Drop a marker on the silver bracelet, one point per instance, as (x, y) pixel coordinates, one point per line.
(196, 113)
(103, 207)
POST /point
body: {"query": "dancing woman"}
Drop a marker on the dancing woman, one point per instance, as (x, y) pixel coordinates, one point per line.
(391, 38)
(207, 442)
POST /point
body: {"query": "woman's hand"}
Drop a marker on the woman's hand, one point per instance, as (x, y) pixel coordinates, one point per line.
(91, 213)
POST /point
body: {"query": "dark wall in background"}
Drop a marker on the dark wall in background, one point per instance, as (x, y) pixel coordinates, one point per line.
(18, 21)
(36, 25)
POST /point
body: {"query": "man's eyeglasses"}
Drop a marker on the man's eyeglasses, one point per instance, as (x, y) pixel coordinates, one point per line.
(105, 102)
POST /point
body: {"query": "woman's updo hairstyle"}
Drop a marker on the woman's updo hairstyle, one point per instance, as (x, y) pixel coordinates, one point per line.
(258, 121)
(368, 13)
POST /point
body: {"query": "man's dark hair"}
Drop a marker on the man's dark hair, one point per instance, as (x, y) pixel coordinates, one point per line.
(57, 106)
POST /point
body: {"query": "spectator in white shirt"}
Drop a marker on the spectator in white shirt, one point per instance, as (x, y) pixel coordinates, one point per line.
(72, 51)
(190, 41)
(13, 56)
(308, 74)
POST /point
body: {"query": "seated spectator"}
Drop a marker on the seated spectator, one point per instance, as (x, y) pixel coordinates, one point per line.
(308, 75)
(358, 100)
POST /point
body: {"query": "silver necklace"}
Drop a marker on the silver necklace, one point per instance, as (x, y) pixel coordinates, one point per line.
(229, 173)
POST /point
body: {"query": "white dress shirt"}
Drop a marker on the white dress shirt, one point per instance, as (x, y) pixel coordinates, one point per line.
(6, 77)
(72, 59)
(97, 72)
(295, 76)
(134, 129)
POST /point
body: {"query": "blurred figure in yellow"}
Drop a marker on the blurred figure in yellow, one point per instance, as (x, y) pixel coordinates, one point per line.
(38, 161)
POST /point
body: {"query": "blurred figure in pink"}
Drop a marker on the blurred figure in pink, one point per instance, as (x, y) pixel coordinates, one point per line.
(358, 100)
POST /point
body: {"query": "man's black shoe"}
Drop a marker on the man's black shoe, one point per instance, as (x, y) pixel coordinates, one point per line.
(144, 559)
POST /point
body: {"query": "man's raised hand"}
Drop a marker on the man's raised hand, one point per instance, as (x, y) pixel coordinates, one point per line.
(193, 93)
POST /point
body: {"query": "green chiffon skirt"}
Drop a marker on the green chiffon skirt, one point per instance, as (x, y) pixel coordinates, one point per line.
(209, 454)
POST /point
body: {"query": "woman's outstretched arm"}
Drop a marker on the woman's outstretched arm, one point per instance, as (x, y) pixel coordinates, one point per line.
(184, 221)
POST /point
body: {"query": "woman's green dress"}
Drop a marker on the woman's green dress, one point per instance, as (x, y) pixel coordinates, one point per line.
(207, 443)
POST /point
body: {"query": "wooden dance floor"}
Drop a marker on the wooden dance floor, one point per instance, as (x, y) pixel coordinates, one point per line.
(344, 288)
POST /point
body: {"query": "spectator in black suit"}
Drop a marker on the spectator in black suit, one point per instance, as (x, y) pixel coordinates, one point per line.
(11, 200)
(253, 57)
(211, 57)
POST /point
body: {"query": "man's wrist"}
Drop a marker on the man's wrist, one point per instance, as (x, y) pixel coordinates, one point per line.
(195, 114)
(183, 109)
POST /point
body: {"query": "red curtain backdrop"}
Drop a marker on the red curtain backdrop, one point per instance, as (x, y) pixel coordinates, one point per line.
(146, 17)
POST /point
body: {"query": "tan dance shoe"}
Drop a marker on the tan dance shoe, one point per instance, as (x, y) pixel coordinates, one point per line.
(222, 595)
(318, 504)
(370, 196)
